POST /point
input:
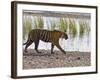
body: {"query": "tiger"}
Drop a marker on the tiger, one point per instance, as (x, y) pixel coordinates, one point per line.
(35, 35)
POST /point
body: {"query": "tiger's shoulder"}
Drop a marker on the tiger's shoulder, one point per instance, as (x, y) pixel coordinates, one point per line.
(57, 31)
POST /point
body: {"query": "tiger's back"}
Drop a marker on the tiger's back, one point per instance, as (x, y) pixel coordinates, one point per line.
(44, 35)
(39, 34)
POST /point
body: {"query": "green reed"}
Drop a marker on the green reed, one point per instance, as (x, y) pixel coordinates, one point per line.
(87, 28)
(38, 22)
(63, 25)
(27, 26)
(52, 25)
(72, 28)
(84, 28)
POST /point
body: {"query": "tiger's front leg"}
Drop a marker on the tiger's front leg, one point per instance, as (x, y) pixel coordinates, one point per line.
(59, 47)
(36, 46)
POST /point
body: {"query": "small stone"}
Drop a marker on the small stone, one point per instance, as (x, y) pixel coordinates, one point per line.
(78, 58)
(57, 58)
(29, 62)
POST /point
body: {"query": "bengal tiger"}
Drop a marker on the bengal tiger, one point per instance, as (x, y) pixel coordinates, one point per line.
(47, 36)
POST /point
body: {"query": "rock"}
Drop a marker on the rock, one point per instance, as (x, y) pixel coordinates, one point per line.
(78, 58)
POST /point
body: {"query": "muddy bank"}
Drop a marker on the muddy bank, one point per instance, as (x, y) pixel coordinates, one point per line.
(33, 60)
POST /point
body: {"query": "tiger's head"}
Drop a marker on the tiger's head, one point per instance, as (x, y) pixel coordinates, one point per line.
(64, 35)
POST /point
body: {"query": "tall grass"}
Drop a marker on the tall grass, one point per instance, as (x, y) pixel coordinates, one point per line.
(72, 28)
(60, 23)
(63, 24)
(52, 25)
(38, 22)
(27, 26)
(84, 28)
(48, 25)
(88, 29)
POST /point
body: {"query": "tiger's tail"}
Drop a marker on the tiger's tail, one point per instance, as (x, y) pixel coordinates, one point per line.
(27, 41)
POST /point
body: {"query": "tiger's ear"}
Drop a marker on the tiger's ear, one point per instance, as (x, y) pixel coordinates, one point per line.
(62, 36)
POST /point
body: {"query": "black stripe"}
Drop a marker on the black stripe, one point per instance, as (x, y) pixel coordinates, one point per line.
(41, 34)
(48, 36)
(35, 34)
(45, 35)
(40, 31)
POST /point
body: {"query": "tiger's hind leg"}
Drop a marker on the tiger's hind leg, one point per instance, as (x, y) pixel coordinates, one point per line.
(52, 47)
(28, 44)
(36, 46)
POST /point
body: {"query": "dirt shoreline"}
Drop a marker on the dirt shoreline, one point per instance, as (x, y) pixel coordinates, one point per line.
(33, 60)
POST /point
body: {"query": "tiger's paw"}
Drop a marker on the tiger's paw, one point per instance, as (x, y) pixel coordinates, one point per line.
(64, 52)
(52, 52)
(38, 51)
(25, 51)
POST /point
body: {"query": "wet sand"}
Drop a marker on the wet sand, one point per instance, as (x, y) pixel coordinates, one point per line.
(33, 60)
